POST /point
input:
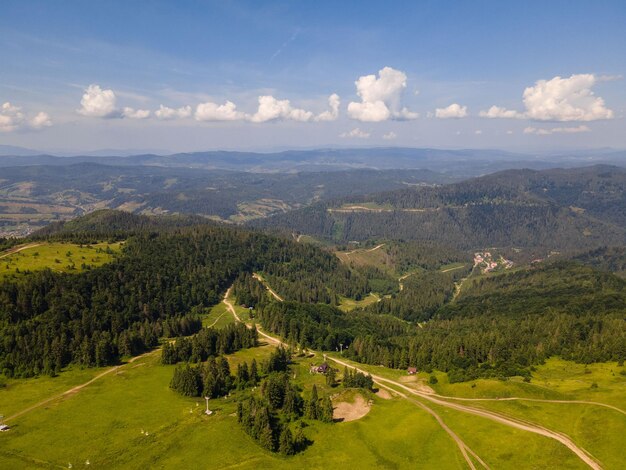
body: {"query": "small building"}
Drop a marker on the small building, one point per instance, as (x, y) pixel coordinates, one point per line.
(321, 369)
(412, 370)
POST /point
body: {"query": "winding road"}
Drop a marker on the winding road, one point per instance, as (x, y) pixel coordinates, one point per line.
(441, 400)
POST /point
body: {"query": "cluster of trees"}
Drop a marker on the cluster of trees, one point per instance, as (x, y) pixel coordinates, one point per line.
(269, 415)
(325, 327)
(6, 243)
(263, 424)
(355, 379)
(212, 379)
(423, 294)
(209, 342)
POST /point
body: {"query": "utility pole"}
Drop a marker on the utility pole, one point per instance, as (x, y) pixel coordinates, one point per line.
(207, 411)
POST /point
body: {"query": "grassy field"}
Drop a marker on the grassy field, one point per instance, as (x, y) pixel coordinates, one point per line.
(599, 430)
(85, 427)
(347, 304)
(150, 426)
(377, 258)
(60, 257)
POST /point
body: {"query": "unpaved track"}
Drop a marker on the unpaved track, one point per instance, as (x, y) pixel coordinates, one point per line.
(78, 388)
(375, 248)
(539, 400)
(12, 251)
(259, 278)
(441, 400)
(463, 447)
(232, 310)
(493, 416)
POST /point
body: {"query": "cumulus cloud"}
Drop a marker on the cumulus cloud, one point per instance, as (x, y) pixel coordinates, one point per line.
(132, 113)
(390, 136)
(454, 111)
(559, 99)
(97, 102)
(380, 97)
(40, 121)
(333, 113)
(355, 133)
(167, 114)
(213, 112)
(12, 118)
(496, 112)
(271, 109)
(556, 130)
(565, 99)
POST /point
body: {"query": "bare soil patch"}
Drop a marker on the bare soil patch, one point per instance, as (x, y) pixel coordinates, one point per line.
(351, 411)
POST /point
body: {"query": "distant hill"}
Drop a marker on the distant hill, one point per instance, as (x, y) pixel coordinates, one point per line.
(111, 224)
(6, 150)
(556, 209)
(459, 163)
(36, 195)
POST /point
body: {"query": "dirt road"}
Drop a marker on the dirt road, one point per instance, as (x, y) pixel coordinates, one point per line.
(17, 249)
(539, 400)
(78, 388)
(232, 310)
(493, 416)
(259, 278)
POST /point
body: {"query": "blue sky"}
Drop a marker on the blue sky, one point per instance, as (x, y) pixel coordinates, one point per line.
(86, 75)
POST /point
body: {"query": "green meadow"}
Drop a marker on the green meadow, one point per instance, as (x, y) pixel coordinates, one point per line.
(129, 418)
(346, 304)
(59, 257)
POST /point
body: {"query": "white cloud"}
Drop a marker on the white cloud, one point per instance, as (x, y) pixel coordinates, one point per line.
(333, 113)
(166, 114)
(97, 102)
(40, 121)
(509, 132)
(213, 112)
(380, 97)
(565, 99)
(271, 109)
(559, 99)
(390, 136)
(478, 132)
(355, 133)
(496, 112)
(453, 111)
(132, 113)
(556, 130)
(12, 118)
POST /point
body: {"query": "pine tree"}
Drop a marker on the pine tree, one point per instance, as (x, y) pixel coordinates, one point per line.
(331, 377)
(312, 410)
(254, 374)
(286, 444)
(326, 410)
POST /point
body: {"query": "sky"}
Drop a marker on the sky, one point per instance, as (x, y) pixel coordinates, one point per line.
(202, 75)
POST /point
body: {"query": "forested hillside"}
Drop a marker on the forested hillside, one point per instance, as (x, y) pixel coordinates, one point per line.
(500, 327)
(156, 287)
(553, 209)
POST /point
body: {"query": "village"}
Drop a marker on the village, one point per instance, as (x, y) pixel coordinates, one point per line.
(489, 263)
